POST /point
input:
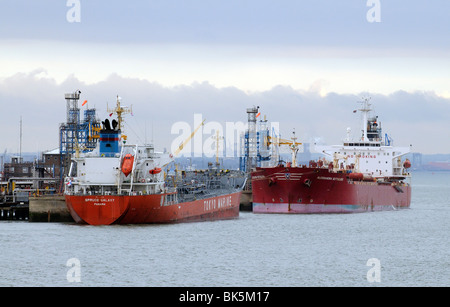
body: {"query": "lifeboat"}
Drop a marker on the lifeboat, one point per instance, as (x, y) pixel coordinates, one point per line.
(154, 171)
(368, 178)
(127, 164)
(356, 176)
(407, 164)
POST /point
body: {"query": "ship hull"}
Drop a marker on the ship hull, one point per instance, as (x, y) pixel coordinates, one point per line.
(317, 190)
(145, 209)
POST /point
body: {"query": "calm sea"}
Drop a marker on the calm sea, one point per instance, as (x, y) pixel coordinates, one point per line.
(411, 248)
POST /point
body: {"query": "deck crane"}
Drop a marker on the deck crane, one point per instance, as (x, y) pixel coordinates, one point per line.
(293, 145)
(180, 148)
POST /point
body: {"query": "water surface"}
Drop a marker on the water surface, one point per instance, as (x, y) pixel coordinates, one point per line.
(412, 246)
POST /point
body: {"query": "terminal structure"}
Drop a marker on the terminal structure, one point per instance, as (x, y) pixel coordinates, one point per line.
(255, 150)
(76, 135)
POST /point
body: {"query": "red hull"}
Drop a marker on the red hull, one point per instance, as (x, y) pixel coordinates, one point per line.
(316, 190)
(140, 209)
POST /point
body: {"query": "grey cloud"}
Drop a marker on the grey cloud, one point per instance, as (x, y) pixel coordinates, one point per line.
(418, 118)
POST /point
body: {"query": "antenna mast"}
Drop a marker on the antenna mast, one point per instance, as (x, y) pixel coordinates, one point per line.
(119, 110)
(365, 109)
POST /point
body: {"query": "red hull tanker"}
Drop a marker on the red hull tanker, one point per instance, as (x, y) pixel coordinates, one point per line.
(316, 190)
(118, 183)
(363, 175)
(139, 209)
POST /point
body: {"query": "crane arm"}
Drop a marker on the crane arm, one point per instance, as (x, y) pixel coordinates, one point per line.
(279, 141)
(180, 148)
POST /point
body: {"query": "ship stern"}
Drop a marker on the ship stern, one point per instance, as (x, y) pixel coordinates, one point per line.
(97, 209)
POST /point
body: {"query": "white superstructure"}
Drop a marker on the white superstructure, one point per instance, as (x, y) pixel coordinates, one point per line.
(92, 173)
(371, 154)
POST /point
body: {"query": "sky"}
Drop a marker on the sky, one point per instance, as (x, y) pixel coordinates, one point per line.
(305, 63)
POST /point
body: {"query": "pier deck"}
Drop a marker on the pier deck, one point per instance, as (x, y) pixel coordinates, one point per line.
(51, 208)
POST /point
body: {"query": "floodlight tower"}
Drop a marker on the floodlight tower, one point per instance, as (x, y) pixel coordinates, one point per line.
(251, 146)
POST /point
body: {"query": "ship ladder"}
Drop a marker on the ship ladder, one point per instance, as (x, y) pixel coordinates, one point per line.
(134, 168)
(119, 187)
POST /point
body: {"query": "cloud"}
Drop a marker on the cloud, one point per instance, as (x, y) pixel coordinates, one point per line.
(418, 118)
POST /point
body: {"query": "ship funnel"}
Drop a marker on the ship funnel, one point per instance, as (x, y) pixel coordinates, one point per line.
(109, 140)
(106, 125)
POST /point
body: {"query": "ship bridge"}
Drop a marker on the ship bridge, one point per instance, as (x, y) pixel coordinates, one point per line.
(368, 155)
